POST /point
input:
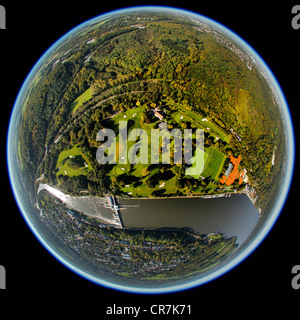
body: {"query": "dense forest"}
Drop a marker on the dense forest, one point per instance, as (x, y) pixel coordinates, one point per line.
(133, 64)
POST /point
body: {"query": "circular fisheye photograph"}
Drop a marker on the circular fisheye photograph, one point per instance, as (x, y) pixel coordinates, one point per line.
(150, 149)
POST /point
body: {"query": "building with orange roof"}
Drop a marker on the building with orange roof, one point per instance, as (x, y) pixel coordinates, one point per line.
(234, 173)
(223, 180)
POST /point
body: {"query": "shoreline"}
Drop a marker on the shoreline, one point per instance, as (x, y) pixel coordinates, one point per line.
(213, 196)
(245, 191)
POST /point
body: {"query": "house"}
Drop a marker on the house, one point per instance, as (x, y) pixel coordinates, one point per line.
(242, 176)
(158, 114)
(232, 172)
(125, 256)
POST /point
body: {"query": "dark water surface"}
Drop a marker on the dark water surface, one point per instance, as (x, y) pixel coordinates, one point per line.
(232, 216)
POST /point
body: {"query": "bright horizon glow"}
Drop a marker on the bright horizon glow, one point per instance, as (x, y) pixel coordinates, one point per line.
(259, 237)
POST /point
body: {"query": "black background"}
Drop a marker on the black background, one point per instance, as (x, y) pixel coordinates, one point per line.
(259, 285)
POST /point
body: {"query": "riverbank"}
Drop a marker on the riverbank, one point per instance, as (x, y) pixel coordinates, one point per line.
(229, 213)
(247, 191)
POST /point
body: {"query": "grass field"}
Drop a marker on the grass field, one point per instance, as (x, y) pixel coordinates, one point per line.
(65, 169)
(200, 160)
(214, 164)
(86, 96)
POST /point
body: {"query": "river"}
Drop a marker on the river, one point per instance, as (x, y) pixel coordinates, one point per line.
(232, 216)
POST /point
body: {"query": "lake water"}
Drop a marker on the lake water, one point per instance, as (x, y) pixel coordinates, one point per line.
(232, 216)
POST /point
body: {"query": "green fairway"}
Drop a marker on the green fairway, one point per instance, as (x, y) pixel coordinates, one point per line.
(198, 166)
(86, 96)
(71, 162)
(214, 164)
